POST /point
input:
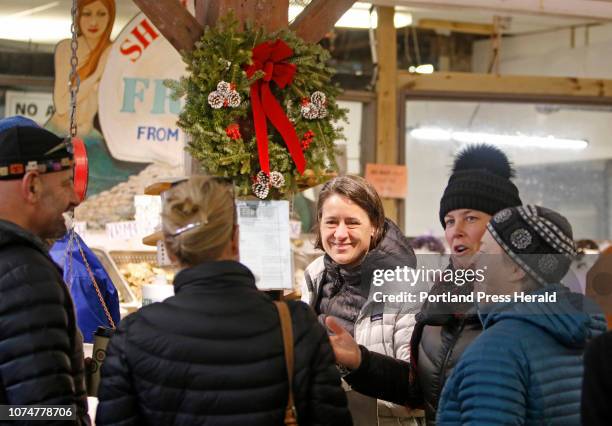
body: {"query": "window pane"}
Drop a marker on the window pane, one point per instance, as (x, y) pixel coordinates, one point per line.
(559, 171)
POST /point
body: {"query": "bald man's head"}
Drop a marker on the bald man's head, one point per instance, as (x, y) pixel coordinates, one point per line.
(37, 202)
(36, 177)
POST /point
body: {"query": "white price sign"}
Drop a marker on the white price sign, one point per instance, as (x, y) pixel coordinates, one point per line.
(122, 230)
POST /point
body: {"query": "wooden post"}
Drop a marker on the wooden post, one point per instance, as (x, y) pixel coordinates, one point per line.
(269, 14)
(386, 95)
(183, 30)
(175, 23)
(318, 18)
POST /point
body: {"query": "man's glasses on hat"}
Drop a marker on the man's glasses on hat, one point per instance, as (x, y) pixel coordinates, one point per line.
(64, 144)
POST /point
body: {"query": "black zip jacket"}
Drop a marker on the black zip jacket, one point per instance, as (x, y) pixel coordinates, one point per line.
(41, 349)
(213, 355)
(440, 337)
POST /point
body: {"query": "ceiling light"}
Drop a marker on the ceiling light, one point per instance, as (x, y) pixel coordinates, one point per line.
(430, 134)
(359, 16)
(28, 12)
(402, 18)
(21, 26)
(422, 69)
(516, 140)
(37, 30)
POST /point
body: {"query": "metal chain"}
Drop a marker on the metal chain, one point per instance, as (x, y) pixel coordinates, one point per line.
(74, 84)
(75, 80)
(68, 253)
(95, 284)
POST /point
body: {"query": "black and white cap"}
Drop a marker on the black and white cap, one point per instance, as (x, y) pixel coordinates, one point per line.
(538, 239)
(25, 147)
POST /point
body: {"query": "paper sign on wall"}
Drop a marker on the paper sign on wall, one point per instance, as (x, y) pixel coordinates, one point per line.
(390, 180)
(37, 106)
(265, 247)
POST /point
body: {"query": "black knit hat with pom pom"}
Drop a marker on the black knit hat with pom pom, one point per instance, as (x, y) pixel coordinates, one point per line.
(480, 181)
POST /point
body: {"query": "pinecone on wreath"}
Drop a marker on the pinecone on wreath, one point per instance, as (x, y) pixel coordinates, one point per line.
(216, 100)
(234, 99)
(260, 190)
(277, 180)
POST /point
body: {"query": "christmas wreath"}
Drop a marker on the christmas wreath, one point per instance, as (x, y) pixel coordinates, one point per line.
(260, 108)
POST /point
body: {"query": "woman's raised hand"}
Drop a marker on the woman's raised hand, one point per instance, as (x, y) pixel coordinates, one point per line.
(345, 348)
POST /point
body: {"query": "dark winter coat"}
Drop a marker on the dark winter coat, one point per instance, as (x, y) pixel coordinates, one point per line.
(343, 294)
(41, 349)
(213, 355)
(442, 333)
(597, 383)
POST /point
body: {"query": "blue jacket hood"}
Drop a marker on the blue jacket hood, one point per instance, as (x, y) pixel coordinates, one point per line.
(571, 319)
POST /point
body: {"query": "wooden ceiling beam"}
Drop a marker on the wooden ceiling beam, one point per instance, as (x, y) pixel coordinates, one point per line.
(458, 27)
(175, 23)
(269, 14)
(507, 87)
(597, 10)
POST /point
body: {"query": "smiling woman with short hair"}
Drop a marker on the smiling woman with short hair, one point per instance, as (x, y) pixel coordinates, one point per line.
(357, 239)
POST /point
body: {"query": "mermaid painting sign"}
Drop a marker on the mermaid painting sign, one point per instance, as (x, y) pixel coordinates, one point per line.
(137, 115)
(124, 113)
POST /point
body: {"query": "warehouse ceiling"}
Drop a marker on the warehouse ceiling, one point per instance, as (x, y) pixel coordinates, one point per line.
(47, 21)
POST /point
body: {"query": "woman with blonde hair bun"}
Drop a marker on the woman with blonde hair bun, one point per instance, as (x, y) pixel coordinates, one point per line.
(213, 353)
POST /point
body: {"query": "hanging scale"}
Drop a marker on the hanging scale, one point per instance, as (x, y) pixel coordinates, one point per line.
(80, 160)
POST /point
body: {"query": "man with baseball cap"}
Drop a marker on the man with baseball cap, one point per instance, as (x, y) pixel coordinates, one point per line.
(41, 351)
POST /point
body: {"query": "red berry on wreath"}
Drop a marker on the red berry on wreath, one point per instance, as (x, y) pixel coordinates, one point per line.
(307, 139)
(233, 131)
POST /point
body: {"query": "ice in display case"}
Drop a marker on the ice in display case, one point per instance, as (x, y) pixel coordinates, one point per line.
(128, 301)
(130, 270)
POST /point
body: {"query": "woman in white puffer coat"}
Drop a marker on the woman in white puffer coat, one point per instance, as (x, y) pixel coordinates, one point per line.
(348, 283)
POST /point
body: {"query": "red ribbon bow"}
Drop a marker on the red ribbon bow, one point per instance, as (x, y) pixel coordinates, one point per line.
(269, 57)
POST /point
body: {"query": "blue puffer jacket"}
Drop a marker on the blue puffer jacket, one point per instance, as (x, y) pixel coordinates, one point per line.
(526, 366)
